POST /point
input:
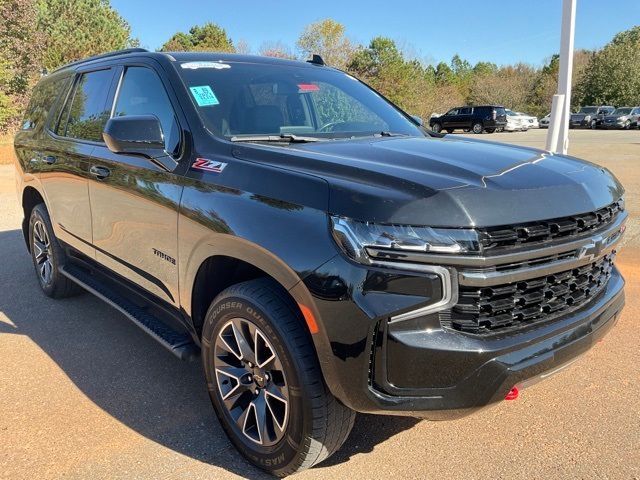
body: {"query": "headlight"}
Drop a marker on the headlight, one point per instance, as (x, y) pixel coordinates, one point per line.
(360, 239)
(587, 118)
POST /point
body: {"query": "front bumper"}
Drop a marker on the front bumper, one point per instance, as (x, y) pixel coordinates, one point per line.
(492, 365)
(377, 361)
(612, 125)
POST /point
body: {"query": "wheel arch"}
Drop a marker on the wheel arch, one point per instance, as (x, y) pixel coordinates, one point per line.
(239, 261)
(30, 198)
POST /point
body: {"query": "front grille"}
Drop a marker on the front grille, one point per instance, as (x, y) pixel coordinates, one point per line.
(487, 310)
(549, 230)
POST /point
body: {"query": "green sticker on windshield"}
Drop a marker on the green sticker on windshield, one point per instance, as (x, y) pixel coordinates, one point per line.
(204, 96)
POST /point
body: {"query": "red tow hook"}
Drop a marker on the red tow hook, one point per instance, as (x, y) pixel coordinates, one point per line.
(513, 394)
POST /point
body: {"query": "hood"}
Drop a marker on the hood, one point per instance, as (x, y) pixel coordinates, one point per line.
(616, 117)
(446, 182)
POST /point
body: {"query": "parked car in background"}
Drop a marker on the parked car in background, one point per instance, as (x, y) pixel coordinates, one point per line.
(529, 120)
(544, 121)
(623, 117)
(590, 117)
(516, 122)
(478, 119)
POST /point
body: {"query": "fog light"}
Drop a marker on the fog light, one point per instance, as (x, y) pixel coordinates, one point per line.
(513, 394)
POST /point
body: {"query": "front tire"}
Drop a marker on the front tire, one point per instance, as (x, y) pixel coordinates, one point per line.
(48, 256)
(265, 381)
(593, 125)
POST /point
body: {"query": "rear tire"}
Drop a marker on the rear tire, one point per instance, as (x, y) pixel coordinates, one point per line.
(436, 127)
(477, 128)
(314, 423)
(491, 130)
(48, 256)
(450, 130)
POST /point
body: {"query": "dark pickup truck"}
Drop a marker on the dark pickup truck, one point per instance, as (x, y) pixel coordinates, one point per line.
(320, 251)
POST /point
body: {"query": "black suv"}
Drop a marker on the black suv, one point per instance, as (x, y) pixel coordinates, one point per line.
(482, 118)
(322, 252)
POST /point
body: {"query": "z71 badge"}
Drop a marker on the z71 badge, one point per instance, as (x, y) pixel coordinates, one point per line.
(208, 165)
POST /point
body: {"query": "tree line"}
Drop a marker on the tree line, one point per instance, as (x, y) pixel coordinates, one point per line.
(40, 35)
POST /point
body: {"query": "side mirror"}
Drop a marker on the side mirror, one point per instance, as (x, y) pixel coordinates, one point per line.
(136, 135)
(418, 119)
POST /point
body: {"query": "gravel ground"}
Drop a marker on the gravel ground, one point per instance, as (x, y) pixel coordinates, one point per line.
(85, 394)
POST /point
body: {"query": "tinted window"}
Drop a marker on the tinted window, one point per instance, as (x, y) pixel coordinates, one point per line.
(86, 113)
(465, 111)
(453, 111)
(43, 98)
(237, 98)
(142, 93)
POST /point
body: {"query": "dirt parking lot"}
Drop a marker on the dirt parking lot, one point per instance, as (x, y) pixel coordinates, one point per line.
(85, 394)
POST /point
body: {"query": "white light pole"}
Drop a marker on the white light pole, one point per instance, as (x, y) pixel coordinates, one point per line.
(558, 134)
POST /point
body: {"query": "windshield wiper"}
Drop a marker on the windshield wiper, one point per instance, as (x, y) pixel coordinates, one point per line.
(284, 137)
(391, 134)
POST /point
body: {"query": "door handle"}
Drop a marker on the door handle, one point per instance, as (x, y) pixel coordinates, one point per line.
(99, 172)
(49, 159)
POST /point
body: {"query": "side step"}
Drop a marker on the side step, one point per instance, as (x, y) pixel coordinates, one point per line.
(180, 344)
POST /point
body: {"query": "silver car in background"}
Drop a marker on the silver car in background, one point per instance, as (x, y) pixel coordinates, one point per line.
(622, 118)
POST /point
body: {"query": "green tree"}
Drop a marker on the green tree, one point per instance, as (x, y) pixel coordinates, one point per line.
(20, 54)
(485, 68)
(326, 38)
(75, 29)
(404, 81)
(613, 77)
(206, 38)
(444, 74)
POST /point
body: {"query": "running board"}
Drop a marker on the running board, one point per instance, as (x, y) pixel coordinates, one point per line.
(180, 344)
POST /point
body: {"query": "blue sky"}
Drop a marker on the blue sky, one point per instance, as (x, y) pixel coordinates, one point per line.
(501, 31)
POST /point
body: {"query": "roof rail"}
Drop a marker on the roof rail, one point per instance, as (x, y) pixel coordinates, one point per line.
(103, 55)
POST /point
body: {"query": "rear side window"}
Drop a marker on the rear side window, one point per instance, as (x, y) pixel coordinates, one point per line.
(86, 112)
(43, 98)
(465, 111)
(142, 93)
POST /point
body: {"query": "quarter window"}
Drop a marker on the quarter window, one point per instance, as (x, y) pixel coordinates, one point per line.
(87, 113)
(142, 93)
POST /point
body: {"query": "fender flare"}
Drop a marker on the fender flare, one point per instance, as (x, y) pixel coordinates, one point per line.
(249, 252)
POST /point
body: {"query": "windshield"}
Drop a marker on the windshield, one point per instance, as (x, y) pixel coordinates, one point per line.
(622, 111)
(249, 99)
(511, 113)
(588, 110)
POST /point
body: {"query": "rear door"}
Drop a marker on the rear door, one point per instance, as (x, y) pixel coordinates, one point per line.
(66, 157)
(464, 118)
(135, 205)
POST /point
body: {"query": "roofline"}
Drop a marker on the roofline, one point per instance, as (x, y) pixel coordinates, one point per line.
(101, 56)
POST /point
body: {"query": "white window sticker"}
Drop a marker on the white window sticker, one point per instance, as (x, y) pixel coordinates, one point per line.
(197, 65)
